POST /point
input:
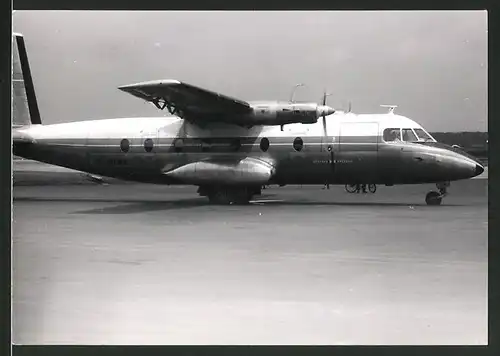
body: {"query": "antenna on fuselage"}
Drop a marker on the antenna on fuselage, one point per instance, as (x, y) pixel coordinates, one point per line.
(391, 108)
(294, 90)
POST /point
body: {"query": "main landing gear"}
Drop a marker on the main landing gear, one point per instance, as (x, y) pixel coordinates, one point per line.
(435, 198)
(226, 195)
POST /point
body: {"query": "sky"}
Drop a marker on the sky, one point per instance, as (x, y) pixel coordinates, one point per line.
(432, 64)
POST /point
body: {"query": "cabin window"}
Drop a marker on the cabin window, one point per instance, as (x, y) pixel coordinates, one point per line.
(392, 134)
(178, 145)
(264, 144)
(148, 145)
(124, 145)
(298, 144)
(422, 135)
(409, 135)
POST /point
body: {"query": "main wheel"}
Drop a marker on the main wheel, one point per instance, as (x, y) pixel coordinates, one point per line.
(350, 188)
(218, 197)
(372, 188)
(433, 198)
(229, 195)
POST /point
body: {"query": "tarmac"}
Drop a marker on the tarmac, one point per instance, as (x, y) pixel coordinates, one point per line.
(126, 263)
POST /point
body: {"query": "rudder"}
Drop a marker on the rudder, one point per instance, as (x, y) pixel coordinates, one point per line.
(24, 104)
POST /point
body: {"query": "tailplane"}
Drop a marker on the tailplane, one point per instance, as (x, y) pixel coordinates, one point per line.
(24, 104)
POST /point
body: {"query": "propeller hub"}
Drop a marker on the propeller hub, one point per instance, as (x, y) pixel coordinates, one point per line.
(325, 110)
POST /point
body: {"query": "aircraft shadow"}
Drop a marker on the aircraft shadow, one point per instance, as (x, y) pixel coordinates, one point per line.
(142, 207)
(131, 206)
(361, 204)
(90, 200)
(147, 206)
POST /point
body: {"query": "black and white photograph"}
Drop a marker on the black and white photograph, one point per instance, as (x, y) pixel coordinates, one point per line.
(250, 177)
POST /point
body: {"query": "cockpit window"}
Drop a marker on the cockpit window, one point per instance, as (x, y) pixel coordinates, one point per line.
(409, 135)
(406, 135)
(392, 134)
(422, 135)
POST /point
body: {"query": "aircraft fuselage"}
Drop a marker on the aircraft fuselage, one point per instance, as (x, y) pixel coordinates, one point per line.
(353, 150)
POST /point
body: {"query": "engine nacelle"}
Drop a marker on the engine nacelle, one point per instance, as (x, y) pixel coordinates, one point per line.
(288, 113)
(248, 171)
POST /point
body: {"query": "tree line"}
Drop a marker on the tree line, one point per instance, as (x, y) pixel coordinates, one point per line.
(475, 143)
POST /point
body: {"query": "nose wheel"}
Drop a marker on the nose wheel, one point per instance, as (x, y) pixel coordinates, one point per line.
(435, 198)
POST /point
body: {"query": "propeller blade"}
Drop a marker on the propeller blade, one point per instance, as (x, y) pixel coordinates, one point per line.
(324, 116)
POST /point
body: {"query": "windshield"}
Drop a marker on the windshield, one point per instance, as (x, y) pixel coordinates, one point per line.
(409, 135)
(406, 135)
(422, 135)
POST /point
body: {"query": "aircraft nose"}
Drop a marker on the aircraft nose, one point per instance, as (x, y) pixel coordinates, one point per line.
(467, 168)
(479, 170)
(456, 166)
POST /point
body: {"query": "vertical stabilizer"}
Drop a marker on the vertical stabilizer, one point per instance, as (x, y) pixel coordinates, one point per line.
(24, 104)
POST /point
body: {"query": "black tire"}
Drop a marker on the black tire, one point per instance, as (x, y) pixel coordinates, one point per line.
(224, 196)
(218, 198)
(372, 188)
(350, 188)
(433, 198)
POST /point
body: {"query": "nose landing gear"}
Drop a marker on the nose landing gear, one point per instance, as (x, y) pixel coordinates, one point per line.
(435, 198)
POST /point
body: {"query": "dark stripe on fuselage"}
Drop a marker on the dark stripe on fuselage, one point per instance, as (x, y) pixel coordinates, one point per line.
(104, 156)
(353, 159)
(193, 145)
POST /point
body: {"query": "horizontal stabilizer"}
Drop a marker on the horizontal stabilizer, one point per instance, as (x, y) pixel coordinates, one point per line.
(20, 137)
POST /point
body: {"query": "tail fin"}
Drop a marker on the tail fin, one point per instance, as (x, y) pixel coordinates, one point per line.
(24, 104)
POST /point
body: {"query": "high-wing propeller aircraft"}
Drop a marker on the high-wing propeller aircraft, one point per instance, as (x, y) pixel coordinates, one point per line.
(230, 148)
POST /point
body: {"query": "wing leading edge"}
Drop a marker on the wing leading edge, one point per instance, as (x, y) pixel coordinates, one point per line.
(188, 101)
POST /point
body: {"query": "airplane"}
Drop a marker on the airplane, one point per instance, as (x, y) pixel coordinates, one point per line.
(231, 148)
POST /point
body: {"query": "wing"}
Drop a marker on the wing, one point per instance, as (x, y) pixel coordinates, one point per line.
(188, 101)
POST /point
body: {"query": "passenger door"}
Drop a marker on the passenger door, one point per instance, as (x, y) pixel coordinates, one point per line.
(358, 151)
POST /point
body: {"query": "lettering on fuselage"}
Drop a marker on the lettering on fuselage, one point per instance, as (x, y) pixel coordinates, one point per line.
(329, 161)
(100, 160)
(342, 161)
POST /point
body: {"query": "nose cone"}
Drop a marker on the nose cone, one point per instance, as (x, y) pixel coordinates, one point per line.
(325, 110)
(479, 170)
(458, 166)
